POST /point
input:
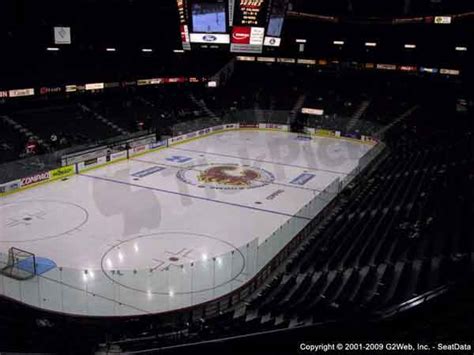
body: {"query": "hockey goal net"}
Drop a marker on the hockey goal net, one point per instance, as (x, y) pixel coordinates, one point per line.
(20, 264)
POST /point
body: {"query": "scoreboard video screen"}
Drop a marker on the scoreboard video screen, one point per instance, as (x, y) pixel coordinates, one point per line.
(275, 23)
(241, 26)
(204, 24)
(209, 18)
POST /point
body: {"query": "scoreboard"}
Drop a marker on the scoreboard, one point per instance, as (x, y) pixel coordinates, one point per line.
(241, 26)
(183, 23)
(248, 32)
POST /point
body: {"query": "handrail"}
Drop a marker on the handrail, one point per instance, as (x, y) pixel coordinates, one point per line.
(415, 301)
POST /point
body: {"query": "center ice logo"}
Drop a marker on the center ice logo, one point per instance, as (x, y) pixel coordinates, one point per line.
(229, 176)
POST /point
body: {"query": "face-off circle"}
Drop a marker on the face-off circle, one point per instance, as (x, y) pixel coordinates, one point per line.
(226, 176)
(179, 261)
(34, 220)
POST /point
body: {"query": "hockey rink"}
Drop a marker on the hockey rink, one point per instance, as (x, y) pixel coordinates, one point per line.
(184, 204)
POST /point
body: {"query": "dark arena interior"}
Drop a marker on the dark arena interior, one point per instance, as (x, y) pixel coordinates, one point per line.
(236, 176)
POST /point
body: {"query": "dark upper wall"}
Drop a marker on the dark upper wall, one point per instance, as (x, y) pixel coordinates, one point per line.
(386, 8)
(26, 29)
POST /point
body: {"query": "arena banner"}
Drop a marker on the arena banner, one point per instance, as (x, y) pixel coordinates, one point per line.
(30, 180)
(386, 66)
(71, 88)
(306, 61)
(159, 144)
(244, 58)
(95, 86)
(449, 71)
(217, 128)
(21, 92)
(101, 160)
(312, 111)
(442, 20)
(118, 155)
(411, 68)
(139, 149)
(351, 135)
(10, 186)
(203, 132)
(324, 133)
(176, 139)
(274, 126)
(50, 90)
(266, 59)
(81, 157)
(232, 126)
(62, 172)
(248, 125)
(91, 163)
(142, 82)
(270, 126)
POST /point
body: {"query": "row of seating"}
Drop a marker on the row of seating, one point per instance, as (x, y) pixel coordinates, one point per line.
(150, 108)
(94, 119)
(11, 142)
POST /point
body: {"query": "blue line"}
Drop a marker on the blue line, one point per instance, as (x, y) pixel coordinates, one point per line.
(192, 196)
(185, 167)
(260, 161)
